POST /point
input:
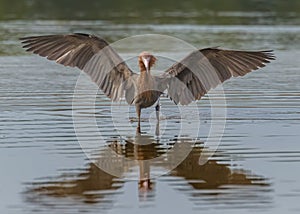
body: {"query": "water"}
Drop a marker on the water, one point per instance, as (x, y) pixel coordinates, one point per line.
(255, 169)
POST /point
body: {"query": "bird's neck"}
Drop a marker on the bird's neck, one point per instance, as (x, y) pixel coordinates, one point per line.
(146, 81)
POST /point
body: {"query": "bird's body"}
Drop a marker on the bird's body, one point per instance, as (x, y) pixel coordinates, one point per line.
(185, 81)
(146, 93)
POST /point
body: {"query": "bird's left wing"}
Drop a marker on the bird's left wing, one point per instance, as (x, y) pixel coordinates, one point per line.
(89, 53)
(204, 69)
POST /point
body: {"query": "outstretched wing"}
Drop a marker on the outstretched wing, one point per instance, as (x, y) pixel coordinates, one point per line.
(203, 70)
(89, 53)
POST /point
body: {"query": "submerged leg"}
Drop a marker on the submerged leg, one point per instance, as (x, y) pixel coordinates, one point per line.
(138, 112)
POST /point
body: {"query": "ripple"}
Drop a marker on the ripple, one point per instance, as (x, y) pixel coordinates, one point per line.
(254, 167)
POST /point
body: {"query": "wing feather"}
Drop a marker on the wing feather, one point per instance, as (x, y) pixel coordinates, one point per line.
(89, 53)
(204, 69)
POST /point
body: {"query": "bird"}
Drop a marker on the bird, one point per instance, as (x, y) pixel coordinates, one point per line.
(185, 81)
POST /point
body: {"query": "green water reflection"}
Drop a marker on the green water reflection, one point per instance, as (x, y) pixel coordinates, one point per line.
(156, 11)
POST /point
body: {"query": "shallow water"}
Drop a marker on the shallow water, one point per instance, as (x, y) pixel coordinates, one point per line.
(256, 166)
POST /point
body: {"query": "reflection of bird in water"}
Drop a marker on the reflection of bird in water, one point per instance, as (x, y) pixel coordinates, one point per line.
(141, 148)
(212, 175)
(91, 180)
(185, 81)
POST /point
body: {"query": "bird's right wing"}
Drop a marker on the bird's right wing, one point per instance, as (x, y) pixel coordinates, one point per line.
(91, 54)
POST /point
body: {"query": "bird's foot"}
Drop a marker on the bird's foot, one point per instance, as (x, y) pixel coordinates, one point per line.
(138, 129)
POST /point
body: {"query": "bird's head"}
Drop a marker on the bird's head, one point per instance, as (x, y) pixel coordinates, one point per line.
(146, 61)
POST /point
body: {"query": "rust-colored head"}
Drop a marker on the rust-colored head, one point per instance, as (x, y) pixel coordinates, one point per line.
(146, 61)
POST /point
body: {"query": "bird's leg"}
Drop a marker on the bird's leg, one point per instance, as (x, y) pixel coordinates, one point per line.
(157, 128)
(157, 108)
(138, 112)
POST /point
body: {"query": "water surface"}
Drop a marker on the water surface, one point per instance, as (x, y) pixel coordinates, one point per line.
(255, 169)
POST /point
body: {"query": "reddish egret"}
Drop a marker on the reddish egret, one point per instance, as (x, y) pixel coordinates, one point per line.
(184, 81)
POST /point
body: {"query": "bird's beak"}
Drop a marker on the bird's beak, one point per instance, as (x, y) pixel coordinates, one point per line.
(146, 61)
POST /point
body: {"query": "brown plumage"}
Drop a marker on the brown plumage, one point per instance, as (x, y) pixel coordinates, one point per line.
(185, 81)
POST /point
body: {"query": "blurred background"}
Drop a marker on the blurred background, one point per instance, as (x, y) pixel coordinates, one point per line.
(156, 12)
(137, 17)
(256, 167)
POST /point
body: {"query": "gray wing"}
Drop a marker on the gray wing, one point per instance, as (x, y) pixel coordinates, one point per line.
(203, 70)
(89, 53)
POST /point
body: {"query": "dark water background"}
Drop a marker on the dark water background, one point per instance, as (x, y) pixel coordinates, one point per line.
(256, 167)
